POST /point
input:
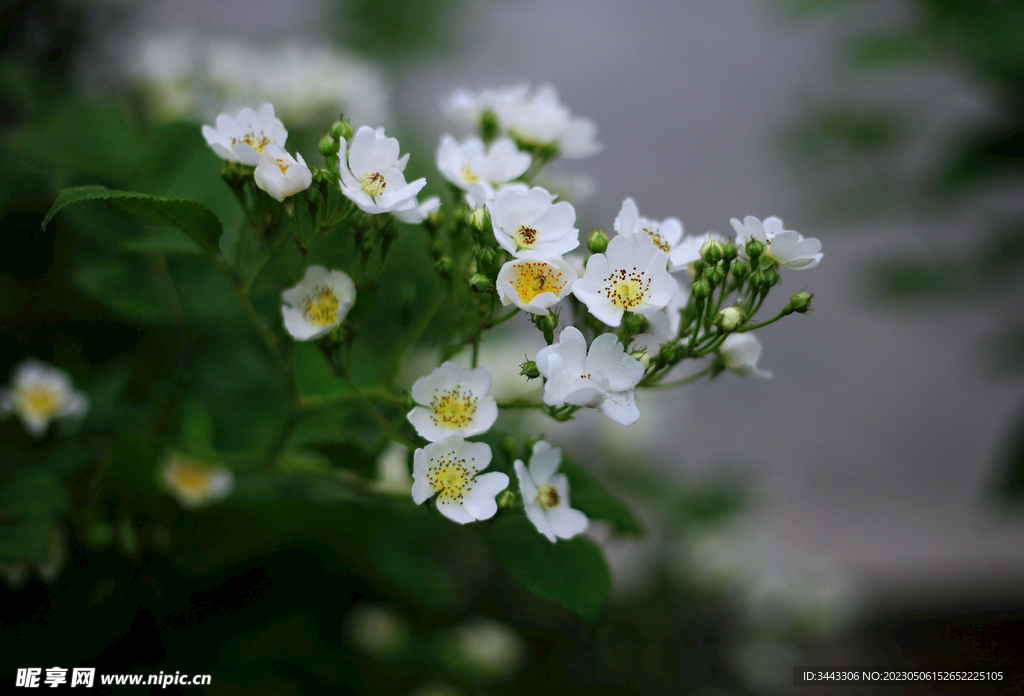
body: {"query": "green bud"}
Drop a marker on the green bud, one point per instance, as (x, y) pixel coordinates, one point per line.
(481, 283)
(754, 248)
(668, 354)
(740, 269)
(506, 500)
(329, 146)
(698, 266)
(801, 302)
(641, 357)
(322, 176)
(487, 256)
(598, 241)
(444, 267)
(729, 251)
(701, 289)
(728, 319)
(529, 370)
(757, 279)
(715, 276)
(711, 251)
(637, 324)
(340, 129)
(771, 277)
(547, 325)
(488, 125)
(437, 248)
(477, 218)
(408, 403)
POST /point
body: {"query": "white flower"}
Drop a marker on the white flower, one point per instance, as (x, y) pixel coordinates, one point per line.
(471, 162)
(421, 212)
(786, 247)
(193, 484)
(740, 352)
(625, 278)
(453, 401)
(393, 471)
(639, 230)
(242, 139)
(534, 283)
(482, 195)
(467, 108)
(546, 494)
(280, 174)
(604, 378)
(532, 221)
(451, 469)
(318, 303)
(372, 173)
(664, 325)
(542, 120)
(40, 393)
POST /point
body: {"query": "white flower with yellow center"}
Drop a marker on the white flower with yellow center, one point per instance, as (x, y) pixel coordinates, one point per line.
(740, 352)
(546, 494)
(280, 174)
(318, 303)
(194, 484)
(786, 247)
(665, 235)
(372, 173)
(603, 378)
(664, 325)
(243, 139)
(471, 165)
(453, 401)
(40, 393)
(541, 120)
(625, 279)
(533, 222)
(451, 470)
(535, 283)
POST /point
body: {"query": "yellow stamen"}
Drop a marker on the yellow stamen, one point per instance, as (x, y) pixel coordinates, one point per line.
(469, 176)
(189, 478)
(373, 183)
(535, 277)
(626, 289)
(321, 308)
(257, 142)
(282, 166)
(450, 478)
(525, 237)
(547, 496)
(453, 408)
(658, 240)
(41, 401)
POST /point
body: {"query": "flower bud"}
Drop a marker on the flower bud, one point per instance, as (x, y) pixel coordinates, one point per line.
(728, 319)
(715, 276)
(322, 176)
(637, 324)
(771, 277)
(408, 403)
(711, 251)
(740, 269)
(487, 256)
(481, 283)
(668, 354)
(701, 289)
(329, 146)
(444, 267)
(801, 302)
(341, 129)
(641, 357)
(598, 241)
(488, 125)
(477, 218)
(529, 370)
(754, 248)
(757, 279)
(506, 500)
(698, 266)
(729, 251)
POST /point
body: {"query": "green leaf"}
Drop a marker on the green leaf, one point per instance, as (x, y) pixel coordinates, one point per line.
(588, 495)
(165, 240)
(570, 573)
(194, 219)
(123, 285)
(33, 500)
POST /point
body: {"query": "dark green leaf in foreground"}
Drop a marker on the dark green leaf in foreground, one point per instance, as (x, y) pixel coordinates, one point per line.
(31, 501)
(570, 573)
(194, 219)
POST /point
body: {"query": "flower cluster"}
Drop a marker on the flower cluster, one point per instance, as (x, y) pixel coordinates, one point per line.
(40, 394)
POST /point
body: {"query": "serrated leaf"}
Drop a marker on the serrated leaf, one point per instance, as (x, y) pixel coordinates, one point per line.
(194, 219)
(168, 241)
(570, 573)
(591, 497)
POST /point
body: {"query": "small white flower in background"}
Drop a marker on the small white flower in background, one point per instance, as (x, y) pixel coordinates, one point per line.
(453, 400)
(419, 213)
(451, 469)
(242, 139)
(193, 484)
(625, 278)
(665, 324)
(740, 352)
(377, 630)
(534, 283)
(318, 303)
(571, 186)
(483, 195)
(40, 393)
(546, 494)
(639, 230)
(541, 120)
(471, 162)
(372, 173)
(467, 108)
(484, 649)
(786, 247)
(533, 222)
(604, 378)
(280, 174)
(393, 471)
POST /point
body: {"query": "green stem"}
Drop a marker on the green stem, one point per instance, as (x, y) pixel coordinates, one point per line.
(502, 319)
(314, 402)
(520, 404)
(685, 380)
(763, 323)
